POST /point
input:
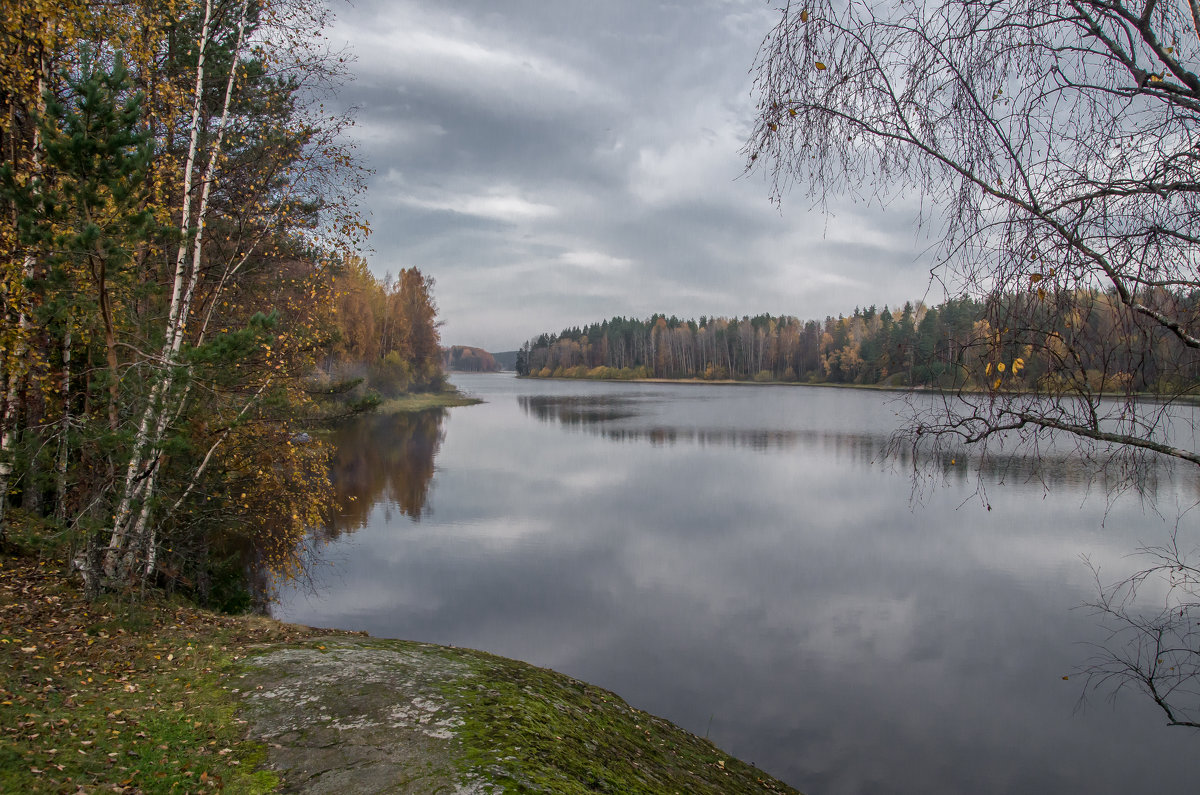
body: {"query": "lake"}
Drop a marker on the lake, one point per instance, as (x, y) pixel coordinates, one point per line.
(741, 561)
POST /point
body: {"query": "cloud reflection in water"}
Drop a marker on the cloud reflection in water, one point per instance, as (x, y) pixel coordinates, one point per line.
(738, 561)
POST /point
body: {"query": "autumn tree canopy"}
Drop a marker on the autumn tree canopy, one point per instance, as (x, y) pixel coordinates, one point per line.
(177, 210)
(386, 340)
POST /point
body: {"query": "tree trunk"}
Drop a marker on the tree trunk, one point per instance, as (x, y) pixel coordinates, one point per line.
(130, 536)
(64, 434)
(17, 367)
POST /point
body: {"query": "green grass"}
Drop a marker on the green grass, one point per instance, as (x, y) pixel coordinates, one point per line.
(117, 694)
(420, 401)
(131, 696)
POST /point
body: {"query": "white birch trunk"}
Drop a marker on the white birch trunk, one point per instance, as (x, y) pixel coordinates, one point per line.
(127, 542)
(119, 538)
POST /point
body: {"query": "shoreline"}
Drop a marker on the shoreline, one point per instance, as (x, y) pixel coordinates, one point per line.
(422, 401)
(342, 713)
(1150, 396)
(158, 694)
(735, 382)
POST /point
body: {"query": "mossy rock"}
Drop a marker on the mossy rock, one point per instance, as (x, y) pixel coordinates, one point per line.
(370, 715)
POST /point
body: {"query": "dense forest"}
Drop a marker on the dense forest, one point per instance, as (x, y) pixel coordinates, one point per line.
(179, 280)
(385, 339)
(959, 343)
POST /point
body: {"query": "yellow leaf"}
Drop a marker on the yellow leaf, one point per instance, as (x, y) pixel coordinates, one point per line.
(791, 111)
(997, 384)
(988, 370)
(821, 67)
(1041, 294)
(1000, 367)
(1034, 278)
(804, 18)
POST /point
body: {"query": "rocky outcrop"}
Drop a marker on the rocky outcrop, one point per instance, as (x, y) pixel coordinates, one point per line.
(341, 714)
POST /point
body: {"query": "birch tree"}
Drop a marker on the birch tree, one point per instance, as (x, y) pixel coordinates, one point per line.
(1054, 143)
(176, 200)
(129, 540)
(251, 138)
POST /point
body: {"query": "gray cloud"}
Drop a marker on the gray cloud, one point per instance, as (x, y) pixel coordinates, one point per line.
(556, 164)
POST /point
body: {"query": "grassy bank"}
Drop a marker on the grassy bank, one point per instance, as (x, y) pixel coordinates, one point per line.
(159, 696)
(120, 694)
(420, 401)
(332, 409)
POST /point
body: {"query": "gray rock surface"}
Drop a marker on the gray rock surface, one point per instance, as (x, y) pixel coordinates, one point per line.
(349, 718)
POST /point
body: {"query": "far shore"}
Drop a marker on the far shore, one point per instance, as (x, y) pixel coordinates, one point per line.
(1150, 396)
(735, 382)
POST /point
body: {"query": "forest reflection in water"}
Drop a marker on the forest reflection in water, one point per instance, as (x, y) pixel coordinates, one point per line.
(625, 418)
(389, 458)
(745, 562)
(383, 459)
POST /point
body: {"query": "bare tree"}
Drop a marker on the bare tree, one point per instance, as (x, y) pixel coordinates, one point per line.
(1055, 143)
(1055, 147)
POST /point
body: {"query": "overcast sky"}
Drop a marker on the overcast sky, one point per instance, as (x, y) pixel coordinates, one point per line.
(553, 164)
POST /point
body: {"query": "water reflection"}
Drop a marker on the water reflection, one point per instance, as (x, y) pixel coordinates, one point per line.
(383, 459)
(635, 418)
(600, 416)
(576, 410)
(738, 561)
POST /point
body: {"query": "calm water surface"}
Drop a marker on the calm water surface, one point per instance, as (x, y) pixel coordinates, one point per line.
(739, 561)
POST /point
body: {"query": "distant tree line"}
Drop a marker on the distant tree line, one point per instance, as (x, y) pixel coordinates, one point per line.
(469, 360)
(958, 343)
